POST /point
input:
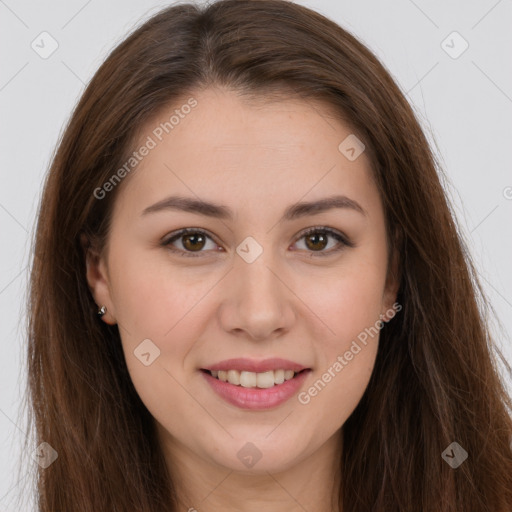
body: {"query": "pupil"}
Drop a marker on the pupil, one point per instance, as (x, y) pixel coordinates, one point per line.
(316, 237)
(193, 236)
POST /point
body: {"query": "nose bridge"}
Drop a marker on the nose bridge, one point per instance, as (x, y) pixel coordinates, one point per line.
(256, 301)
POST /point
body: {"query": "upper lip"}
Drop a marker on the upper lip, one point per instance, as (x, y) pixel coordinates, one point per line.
(253, 365)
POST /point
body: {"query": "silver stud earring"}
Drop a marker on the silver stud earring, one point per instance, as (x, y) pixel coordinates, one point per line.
(102, 310)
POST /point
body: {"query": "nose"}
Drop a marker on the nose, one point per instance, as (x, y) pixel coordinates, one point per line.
(257, 302)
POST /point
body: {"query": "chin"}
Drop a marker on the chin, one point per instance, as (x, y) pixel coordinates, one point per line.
(257, 456)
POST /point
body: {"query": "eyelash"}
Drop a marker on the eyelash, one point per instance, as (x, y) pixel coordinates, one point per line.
(343, 240)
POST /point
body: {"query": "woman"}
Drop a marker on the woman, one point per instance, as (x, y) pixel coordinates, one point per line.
(249, 291)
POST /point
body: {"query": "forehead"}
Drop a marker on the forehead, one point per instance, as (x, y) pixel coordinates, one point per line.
(243, 151)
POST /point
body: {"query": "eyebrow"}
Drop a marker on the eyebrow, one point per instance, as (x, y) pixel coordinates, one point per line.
(295, 211)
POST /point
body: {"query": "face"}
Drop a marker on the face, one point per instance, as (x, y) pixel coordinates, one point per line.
(256, 278)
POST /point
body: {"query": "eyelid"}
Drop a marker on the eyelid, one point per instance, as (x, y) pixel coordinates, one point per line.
(166, 242)
(343, 240)
(330, 231)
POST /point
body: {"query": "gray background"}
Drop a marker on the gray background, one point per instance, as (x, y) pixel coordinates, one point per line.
(464, 104)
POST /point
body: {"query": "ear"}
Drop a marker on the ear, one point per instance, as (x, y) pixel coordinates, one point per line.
(98, 280)
(392, 285)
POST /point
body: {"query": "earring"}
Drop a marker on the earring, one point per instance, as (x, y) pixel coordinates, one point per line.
(102, 310)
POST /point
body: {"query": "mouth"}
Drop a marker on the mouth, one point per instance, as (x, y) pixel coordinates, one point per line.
(256, 391)
(261, 380)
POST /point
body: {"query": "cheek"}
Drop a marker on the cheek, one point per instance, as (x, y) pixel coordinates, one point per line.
(350, 307)
(153, 298)
(152, 303)
(349, 355)
(347, 300)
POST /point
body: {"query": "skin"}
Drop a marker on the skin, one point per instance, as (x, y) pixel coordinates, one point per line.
(257, 157)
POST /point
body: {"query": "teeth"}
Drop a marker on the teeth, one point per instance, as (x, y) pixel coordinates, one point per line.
(288, 374)
(251, 380)
(265, 379)
(279, 376)
(247, 379)
(233, 377)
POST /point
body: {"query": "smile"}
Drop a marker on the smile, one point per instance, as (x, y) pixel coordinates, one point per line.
(255, 391)
(262, 380)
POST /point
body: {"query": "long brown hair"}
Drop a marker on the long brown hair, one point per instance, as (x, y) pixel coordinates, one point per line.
(435, 379)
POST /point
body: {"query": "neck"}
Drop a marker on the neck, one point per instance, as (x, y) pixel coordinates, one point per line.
(312, 483)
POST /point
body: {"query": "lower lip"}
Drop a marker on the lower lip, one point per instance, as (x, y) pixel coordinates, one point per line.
(256, 398)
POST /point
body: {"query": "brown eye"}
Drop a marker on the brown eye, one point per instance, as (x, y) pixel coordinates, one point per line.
(190, 242)
(316, 241)
(193, 242)
(318, 238)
